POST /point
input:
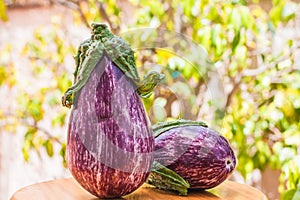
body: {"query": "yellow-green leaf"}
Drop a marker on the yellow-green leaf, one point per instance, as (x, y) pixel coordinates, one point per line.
(3, 14)
(49, 148)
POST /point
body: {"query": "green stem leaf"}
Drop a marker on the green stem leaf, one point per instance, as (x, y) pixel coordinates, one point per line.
(159, 128)
(166, 179)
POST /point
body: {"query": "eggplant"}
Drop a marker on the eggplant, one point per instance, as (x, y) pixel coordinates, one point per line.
(189, 149)
(110, 141)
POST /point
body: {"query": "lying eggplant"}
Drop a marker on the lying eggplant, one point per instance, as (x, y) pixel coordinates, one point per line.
(192, 151)
(110, 141)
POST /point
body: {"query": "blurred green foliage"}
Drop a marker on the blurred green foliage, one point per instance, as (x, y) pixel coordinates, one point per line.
(193, 43)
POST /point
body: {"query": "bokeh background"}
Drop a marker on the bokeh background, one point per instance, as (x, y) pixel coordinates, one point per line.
(233, 64)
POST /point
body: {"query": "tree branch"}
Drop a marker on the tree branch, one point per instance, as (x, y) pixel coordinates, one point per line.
(115, 29)
(236, 82)
(31, 125)
(257, 71)
(46, 132)
(73, 5)
(82, 16)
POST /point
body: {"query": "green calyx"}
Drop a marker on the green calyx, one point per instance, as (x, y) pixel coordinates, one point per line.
(118, 50)
(166, 179)
(101, 32)
(161, 127)
(150, 81)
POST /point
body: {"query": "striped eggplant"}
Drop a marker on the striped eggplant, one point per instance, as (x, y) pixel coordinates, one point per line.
(189, 149)
(110, 141)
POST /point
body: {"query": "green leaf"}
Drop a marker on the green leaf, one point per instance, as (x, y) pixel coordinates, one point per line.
(276, 2)
(246, 17)
(30, 134)
(25, 153)
(59, 120)
(3, 74)
(25, 150)
(62, 152)
(236, 41)
(291, 136)
(34, 107)
(49, 147)
(275, 14)
(297, 193)
(288, 195)
(241, 55)
(214, 15)
(3, 14)
(289, 11)
(63, 82)
(235, 19)
(205, 36)
(217, 40)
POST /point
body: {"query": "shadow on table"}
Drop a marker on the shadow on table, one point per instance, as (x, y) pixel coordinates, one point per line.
(201, 192)
(109, 199)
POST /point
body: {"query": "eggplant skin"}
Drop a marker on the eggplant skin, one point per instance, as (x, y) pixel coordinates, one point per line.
(110, 141)
(198, 154)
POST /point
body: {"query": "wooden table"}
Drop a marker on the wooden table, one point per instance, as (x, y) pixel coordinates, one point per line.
(69, 189)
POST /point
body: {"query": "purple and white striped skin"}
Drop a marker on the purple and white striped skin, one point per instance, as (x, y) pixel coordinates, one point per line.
(110, 141)
(198, 154)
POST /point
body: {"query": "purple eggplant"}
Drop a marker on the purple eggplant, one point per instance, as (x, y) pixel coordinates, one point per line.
(110, 141)
(198, 154)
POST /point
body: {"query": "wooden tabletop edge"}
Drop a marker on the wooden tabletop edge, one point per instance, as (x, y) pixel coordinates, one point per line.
(227, 186)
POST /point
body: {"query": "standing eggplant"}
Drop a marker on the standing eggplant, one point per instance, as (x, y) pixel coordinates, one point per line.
(110, 142)
(188, 154)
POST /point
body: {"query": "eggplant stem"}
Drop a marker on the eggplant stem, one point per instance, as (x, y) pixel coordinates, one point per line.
(118, 50)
